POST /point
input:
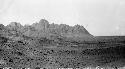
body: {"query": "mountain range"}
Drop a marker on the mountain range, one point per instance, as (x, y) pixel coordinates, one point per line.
(55, 46)
(44, 29)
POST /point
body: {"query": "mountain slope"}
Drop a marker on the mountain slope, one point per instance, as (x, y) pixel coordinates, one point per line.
(50, 31)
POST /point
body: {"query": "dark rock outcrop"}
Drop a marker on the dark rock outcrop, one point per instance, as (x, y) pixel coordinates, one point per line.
(1, 26)
(14, 26)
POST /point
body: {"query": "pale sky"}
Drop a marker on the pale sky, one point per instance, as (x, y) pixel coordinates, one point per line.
(99, 17)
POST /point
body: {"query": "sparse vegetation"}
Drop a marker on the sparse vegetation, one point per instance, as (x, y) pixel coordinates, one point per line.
(57, 46)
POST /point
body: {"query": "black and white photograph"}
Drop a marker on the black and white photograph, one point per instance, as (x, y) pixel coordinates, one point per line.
(62, 34)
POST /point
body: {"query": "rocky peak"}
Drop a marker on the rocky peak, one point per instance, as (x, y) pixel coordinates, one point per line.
(14, 26)
(42, 25)
(80, 29)
(43, 21)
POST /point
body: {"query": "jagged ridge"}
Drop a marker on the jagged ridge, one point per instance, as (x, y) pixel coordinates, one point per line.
(50, 31)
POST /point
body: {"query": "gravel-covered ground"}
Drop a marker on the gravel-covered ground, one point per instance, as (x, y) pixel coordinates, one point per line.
(19, 54)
